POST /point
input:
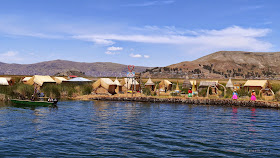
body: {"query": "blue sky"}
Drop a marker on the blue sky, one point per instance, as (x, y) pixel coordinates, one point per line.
(139, 32)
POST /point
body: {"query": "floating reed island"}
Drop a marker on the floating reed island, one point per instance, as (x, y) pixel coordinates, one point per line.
(196, 101)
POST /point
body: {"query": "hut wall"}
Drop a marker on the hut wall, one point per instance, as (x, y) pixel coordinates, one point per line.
(111, 89)
(256, 88)
(169, 87)
(135, 87)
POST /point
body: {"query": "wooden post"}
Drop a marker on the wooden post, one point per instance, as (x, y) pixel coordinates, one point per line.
(126, 86)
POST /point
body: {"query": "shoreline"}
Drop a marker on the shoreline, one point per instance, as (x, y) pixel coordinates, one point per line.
(197, 101)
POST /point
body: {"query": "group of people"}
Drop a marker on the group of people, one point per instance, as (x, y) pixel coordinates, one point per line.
(50, 99)
(253, 95)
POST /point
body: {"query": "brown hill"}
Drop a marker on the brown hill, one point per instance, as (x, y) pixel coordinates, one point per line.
(224, 64)
(97, 69)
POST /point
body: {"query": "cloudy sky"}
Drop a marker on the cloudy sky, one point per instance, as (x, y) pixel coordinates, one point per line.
(139, 32)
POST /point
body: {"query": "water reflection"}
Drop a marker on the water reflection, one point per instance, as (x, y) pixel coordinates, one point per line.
(252, 122)
(101, 117)
(234, 115)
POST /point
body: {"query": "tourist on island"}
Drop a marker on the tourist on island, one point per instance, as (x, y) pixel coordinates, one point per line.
(190, 93)
(234, 95)
(253, 95)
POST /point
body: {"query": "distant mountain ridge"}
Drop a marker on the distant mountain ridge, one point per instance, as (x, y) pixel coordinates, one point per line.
(224, 64)
(97, 69)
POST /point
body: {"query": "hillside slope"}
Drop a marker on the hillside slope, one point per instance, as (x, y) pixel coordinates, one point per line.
(59, 66)
(224, 64)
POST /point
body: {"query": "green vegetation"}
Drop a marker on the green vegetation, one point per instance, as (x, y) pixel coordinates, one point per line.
(203, 92)
(51, 90)
(62, 90)
(243, 92)
(25, 90)
(229, 93)
(184, 90)
(17, 89)
(275, 87)
(147, 91)
(86, 89)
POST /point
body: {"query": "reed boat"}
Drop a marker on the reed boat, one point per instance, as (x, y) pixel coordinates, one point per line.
(33, 103)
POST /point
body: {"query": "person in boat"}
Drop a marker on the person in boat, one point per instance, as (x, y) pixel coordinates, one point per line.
(253, 95)
(32, 98)
(55, 100)
(234, 95)
(50, 99)
(190, 93)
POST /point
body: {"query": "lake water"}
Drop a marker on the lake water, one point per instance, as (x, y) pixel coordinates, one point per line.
(132, 129)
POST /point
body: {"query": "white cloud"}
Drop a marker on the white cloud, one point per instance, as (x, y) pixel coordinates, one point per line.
(146, 56)
(238, 31)
(10, 56)
(230, 38)
(114, 48)
(135, 55)
(100, 41)
(110, 53)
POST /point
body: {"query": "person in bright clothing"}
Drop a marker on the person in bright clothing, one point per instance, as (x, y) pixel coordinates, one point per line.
(253, 95)
(190, 93)
(234, 95)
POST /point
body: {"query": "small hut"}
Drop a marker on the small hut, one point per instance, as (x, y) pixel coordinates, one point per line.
(26, 79)
(229, 84)
(104, 85)
(260, 85)
(150, 84)
(130, 83)
(59, 80)
(3, 81)
(256, 85)
(119, 86)
(212, 84)
(40, 80)
(165, 85)
(10, 80)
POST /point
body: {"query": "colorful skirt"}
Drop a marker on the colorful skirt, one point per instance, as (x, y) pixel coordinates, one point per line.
(234, 96)
(190, 95)
(253, 97)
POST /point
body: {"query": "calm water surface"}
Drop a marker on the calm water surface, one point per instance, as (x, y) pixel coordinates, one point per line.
(130, 129)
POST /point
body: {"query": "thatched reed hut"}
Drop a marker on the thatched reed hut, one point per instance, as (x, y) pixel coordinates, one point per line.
(150, 84)
(103, 86)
